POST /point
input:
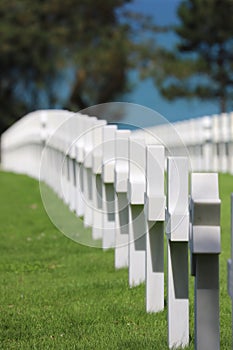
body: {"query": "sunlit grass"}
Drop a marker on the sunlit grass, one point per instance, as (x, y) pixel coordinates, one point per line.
(57, 294)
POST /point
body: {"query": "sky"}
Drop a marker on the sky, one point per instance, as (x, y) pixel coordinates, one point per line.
(145, 93)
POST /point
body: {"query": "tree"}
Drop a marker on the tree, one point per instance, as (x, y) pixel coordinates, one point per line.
(47, 48)
(201, 64)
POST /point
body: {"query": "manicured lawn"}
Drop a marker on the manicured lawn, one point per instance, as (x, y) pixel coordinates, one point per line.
(57, 294)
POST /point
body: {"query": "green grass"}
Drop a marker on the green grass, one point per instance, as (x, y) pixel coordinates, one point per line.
(57, 294)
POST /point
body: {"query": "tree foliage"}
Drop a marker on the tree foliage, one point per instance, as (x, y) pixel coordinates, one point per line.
(81, 48)
(201, 64)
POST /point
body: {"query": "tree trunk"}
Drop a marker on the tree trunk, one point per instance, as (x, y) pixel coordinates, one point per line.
(223, 103)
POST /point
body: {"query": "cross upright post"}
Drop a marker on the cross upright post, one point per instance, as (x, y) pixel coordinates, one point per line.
(108, 186)
(205, 250)
(122, 207)
(177, 231)
(97, 159)
(155, 216)
(137, 220)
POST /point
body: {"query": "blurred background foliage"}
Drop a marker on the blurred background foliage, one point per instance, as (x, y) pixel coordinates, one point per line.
(73, 54)
(201, 63)
(70, 54)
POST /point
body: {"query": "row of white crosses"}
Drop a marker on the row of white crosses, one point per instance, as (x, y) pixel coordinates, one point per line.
(15, 151)
(208, 139)
(139, 198)
(114, 179)
(22, 144)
